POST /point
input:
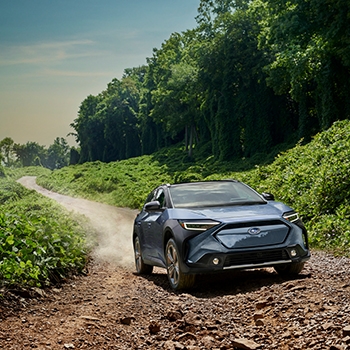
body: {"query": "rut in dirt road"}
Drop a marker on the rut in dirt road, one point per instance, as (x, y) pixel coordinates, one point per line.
(111, 226)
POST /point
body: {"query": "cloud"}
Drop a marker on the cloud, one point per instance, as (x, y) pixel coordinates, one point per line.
(73, 73)
(46, 53)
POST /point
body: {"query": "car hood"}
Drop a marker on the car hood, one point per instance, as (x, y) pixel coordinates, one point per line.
(268, 211)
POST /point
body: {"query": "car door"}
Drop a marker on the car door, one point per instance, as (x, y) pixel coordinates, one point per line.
(155, 228)
(143, 225)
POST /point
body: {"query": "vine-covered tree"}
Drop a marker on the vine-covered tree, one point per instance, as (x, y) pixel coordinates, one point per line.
(311, 48)
(30, 154)
(57, 154)
(7, 151)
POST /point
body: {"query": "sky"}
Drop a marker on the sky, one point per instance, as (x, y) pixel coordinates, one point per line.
(54, 53)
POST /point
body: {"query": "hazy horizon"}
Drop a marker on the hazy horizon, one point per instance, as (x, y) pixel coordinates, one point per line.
(53, 55)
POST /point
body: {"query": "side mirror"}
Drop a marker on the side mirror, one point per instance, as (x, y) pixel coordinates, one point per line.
(268, 196)
(152, 206)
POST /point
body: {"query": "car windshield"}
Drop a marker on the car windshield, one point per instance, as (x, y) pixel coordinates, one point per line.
(213, 194)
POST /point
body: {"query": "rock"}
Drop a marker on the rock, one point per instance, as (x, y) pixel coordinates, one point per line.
(258, 316)
(90, 318)
(186, 336)
(154, 327)
(327, 325)
(37, 292)
(346, 331)
(261, 304)
(193, 319)
(259, 322)
(208, 341)
(126, 320)
(174, 316)
(171, 345)
(245, 344)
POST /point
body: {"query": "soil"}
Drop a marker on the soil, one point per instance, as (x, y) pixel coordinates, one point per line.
(112, 308)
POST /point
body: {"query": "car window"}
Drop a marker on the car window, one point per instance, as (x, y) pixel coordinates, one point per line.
(160, 197)
(150, 197)
(218, 193)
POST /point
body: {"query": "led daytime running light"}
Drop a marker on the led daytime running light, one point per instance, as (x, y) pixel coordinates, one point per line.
(198, 225)
(292, 217)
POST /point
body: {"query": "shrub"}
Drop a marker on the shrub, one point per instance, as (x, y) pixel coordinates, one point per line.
(39, 242)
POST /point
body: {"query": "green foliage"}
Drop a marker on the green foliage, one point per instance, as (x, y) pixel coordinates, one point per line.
(6, 151)
(39, 243)
(2, 171)
(124, 183)
(16, 173)
(312, 178)
(32, 154)
(10, 191)
(307, 40)
(107, 124)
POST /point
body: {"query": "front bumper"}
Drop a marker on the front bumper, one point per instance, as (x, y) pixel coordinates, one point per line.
(247, 260)
(206, 253)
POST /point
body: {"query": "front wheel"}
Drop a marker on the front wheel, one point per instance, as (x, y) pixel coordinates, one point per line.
(177, 279)
(289, 269)
(141, 267)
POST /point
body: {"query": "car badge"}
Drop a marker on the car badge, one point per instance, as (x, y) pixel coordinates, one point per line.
(254, 230)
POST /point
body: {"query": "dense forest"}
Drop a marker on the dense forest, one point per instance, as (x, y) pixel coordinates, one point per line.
(253, 75)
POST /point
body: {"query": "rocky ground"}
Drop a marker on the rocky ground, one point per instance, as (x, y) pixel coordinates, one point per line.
(112, 308)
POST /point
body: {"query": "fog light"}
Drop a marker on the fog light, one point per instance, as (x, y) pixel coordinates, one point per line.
(216, 261)
(293, 253)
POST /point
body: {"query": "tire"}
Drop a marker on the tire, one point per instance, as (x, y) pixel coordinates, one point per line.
(176, 278)
(141, 267)
(289, 269)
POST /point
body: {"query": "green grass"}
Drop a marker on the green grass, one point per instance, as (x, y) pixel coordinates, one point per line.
(312, 178)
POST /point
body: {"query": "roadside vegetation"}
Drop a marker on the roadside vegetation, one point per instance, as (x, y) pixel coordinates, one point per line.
(40, 244)
(312, 178)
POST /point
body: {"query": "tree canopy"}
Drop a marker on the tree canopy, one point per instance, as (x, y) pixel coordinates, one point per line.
(251, 76)
(56, 156)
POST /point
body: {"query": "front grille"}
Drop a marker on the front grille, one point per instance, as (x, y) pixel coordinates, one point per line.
(255, 257)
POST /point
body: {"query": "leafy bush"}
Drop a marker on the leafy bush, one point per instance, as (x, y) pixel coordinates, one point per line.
(39, 242)
(2, 171)
(37, 251)
(10, 191)
(16, 173)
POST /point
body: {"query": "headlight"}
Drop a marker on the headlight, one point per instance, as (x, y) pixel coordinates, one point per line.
(198, 225)
(291, 216)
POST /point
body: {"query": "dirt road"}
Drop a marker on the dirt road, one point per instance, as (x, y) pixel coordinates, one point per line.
(111, 308)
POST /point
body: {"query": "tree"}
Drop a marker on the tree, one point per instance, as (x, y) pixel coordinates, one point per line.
(89, 130)
(309, 41)
(30, 154)
(107, 125)
(57, 154)
(175, 97)
(7, 152)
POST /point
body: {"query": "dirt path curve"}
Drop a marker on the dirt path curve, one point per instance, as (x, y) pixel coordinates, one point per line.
(111, 308)
(112, 225)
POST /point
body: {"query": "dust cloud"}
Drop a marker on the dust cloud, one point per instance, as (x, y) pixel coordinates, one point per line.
(108, 228)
